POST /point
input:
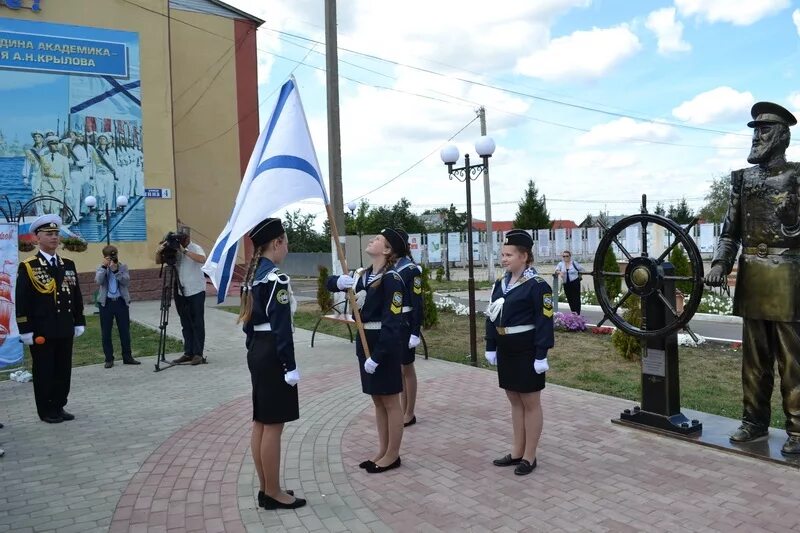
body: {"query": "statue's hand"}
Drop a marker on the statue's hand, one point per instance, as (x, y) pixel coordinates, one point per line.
(716, 277)
(787, 210)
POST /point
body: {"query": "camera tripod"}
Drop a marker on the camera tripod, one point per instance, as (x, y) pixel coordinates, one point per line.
(169, 284)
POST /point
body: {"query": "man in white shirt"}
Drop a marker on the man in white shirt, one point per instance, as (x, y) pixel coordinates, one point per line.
(190, 297)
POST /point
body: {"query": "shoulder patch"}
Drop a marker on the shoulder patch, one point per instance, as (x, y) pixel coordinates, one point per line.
(417, 285)
(397, 303)
(547, 304)
(539, 278)
(282, 297)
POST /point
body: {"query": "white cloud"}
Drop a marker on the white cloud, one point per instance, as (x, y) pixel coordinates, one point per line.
(668, 30)
(626, 130)
(593, 159)
(581, 55)
(717, 105)
(727, 144)
(796, 20)
(738, 12)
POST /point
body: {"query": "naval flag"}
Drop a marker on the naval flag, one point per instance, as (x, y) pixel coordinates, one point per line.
(282, 170)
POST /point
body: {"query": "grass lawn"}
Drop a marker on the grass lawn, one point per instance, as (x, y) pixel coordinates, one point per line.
(88, 349)
(710, 375)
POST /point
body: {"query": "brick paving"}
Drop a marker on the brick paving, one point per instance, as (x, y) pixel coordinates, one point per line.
(170, 452)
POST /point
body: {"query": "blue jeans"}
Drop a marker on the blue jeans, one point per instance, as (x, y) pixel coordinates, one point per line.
(116, 309)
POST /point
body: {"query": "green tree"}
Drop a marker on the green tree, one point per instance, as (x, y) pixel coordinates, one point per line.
(681, 213)
(397, 216)
(716, 200)
(430, 315)
(660, 210)
(302, 235)
(613, 284)
(449, 219)
(532, 212)
(628, 346)
(680, 262)
(324, 298)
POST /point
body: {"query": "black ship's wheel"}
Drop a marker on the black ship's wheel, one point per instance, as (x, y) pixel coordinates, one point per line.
(644, 275)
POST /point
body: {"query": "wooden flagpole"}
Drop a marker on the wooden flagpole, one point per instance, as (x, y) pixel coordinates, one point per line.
(351, 296)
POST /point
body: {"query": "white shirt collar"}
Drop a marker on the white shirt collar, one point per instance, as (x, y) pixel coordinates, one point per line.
(47, 256)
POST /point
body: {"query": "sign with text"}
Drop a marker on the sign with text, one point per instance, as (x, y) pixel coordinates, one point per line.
(10, 347)
(158, 193)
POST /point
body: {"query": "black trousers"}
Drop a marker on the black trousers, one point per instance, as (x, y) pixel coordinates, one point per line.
(191, 309)
(52, 371)
(116, 309)
(573, 291)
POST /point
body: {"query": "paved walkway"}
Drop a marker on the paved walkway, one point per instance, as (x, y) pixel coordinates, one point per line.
(169, 451)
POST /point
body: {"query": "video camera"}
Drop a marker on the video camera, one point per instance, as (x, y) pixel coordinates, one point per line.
(113, 257)
(172, 243)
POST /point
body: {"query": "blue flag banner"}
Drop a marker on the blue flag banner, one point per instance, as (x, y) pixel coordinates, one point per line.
(283, 169)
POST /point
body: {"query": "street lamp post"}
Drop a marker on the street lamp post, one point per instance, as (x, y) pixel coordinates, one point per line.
(485, 147)
(91, 203)
(352, 207)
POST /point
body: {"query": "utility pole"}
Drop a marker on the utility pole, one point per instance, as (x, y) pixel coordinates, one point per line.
(334, 138)
(487, 201)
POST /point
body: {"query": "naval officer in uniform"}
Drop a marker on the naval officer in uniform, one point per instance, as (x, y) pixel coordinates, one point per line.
(49, 317)
(763, 219)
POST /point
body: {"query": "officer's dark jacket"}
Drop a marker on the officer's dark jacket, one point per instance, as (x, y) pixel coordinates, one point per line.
(48, 299)
(272, 304)
(412, 292)
(528, 301)
(384, 304)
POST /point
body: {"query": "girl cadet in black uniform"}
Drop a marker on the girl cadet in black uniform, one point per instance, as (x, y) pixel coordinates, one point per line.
(412, 312)
(382, 315)
(266, 311)
(519, 331)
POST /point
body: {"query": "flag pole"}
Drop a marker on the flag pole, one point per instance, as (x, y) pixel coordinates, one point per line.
(351, 296)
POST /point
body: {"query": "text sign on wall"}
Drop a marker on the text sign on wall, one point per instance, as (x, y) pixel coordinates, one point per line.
(158, 193)
(28, 51)
(33, 5)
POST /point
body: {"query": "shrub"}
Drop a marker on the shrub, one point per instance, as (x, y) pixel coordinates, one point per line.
(74, 244)
(613, 284)
(430, 315)
(324, 299)
(629, 346)
(680, 262)
(439, 273)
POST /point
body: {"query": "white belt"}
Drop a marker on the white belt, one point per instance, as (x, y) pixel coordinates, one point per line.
(262, 327)
(510, 330)
(372, 325)
(407, 309)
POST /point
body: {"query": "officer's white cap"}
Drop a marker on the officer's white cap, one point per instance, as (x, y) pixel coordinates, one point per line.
(45, 223)
(52, 139)
(104, 135)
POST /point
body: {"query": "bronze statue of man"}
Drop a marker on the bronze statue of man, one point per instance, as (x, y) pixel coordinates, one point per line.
(763, 218)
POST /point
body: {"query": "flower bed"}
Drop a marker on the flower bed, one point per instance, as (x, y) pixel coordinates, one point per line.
(569, 322)
(26, 243)
(74, 244)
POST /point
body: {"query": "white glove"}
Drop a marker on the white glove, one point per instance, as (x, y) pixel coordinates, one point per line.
(345, 282)
(79, 330)
(292, 377)
(27, 339)
(370, 366)
(413, 342)
(540, 366)
(491, 358)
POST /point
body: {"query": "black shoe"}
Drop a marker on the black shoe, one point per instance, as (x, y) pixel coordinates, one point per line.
(366, 464)
(375, 469)
(109, 364)
(272, 504)
(791, 446)
(261, 497)
(131, 361)
(749, 433)
(52, 419)
(507, 461)
(524, 467)
(411, 422)
(66, 416)
(185, 358)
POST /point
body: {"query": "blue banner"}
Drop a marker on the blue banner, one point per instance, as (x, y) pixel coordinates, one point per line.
(46, 53)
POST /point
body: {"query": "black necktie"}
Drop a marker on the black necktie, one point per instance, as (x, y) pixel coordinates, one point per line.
(53, 261)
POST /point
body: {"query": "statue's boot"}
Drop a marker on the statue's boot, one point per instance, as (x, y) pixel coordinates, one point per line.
(749, 433)
(792, 445)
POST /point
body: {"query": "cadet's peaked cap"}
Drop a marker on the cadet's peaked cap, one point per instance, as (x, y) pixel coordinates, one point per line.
(404, 235)
(518, 237)
(769, 113)
(37, 132)
(46, 223)
(266, 230)
(396, 241)
(106, 136)
(52, 139)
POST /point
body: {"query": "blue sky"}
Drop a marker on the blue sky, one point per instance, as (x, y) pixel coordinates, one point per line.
(675, 68)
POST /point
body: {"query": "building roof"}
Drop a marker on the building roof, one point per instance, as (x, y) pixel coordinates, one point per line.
(215, 7)
(563, 224)
(497, 225)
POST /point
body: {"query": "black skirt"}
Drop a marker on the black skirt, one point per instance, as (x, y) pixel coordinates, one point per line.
(388, 377)
(515, 356)
(274, 401)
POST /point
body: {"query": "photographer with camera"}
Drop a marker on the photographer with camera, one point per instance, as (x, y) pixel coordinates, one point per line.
(112, 279)
(190, 292)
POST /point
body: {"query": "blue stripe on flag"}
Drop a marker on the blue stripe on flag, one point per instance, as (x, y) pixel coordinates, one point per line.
(216, 253)
(100, 97)
(286, 90)
(227, 269)
(292, 162)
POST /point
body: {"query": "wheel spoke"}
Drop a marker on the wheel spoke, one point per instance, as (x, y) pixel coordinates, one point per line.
(602, 321)
(691, 333)
(679, 278)
(667, 303)
(623, 249)
(644, 239)
(666, 252)
(613, 274)
(621, 301)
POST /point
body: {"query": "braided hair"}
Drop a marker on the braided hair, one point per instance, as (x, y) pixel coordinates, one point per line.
(246, 304)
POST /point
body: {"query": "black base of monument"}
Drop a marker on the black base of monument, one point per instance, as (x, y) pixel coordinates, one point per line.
(675, 423)
(716, 432)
